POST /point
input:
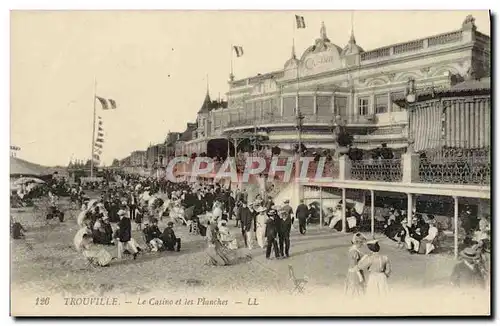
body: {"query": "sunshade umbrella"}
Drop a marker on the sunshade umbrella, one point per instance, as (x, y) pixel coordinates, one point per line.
(25, 180)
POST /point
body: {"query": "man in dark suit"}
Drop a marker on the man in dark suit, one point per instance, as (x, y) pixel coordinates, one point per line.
(286, 222)
(124, 235)
(302, 213)
(246, 217)
(132, 205)
(272, 228)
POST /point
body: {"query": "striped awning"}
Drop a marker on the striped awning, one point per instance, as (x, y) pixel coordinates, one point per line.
(463, 122)
(425, 125)
(467, 122)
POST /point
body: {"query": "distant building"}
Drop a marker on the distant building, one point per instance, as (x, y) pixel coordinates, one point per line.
(170, 141)
(138, 159)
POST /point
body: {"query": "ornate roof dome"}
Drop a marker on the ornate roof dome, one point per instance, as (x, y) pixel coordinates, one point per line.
(351, 47)
(321, 44)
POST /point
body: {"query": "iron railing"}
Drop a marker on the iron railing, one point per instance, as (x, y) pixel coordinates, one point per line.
(377, 170)
(456, 166)
(308, 119)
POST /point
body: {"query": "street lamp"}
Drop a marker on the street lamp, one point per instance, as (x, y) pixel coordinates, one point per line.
(300, 119)
(410, 98)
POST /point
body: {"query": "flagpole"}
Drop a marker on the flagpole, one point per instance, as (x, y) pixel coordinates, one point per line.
(297, 113)
(231, 76)
(93, 134)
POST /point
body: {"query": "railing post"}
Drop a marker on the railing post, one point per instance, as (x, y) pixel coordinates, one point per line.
(344, 168)
(409, 208)
(411, 164)
(372, 211)
(343, 211)
(455, 226)
(320, 207)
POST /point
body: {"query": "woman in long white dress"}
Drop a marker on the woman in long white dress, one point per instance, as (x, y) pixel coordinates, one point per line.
(261, 226)
(379, 267)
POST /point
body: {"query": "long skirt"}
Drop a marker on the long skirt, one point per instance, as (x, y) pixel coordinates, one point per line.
(377, 285)
(219, 255)
(354, 283)
(261, 236)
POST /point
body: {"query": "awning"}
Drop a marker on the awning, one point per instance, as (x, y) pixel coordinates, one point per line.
(25, 168)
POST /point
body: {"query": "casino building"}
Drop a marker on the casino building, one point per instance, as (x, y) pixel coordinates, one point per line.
(339, 85)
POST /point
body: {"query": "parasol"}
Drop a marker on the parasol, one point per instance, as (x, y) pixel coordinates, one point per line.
(25, 180)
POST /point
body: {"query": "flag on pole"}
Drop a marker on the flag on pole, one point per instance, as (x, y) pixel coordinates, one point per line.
(107, 104)
(100, 134)
(99, 140)
(97, 157)
(301, 23)
(98, 145)
(98, 151)
(100, 123)
(100, 129)
(239, 50)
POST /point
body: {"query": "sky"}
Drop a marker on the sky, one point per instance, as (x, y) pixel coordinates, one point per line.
(156, 66)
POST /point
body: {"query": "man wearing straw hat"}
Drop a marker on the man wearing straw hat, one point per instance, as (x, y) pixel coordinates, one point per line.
(467, 273)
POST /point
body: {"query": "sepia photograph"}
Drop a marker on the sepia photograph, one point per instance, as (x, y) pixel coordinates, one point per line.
(250, 163)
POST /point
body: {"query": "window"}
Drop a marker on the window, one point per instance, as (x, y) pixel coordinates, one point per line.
(306, 105)
(289, 106)
(381, 103)
(363, 106)
(257, 110)
(397, 95)
(340, 107)
(323, 105)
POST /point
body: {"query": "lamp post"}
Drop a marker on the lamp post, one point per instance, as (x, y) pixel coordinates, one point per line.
(300, 119)
(410, 98)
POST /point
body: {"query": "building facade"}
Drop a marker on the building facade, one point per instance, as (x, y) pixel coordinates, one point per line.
(332, 85)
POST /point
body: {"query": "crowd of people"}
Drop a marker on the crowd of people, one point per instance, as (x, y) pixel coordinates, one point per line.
(206, 210)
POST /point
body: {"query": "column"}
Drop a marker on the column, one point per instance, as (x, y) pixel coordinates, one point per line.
(281, 105)
(320, 207)
(315, 107)
(296, 104)
(455, 226)
(372, 211)
(409, 208)
(371, 105)
(343, 211)
(332, 103)
(389, 102)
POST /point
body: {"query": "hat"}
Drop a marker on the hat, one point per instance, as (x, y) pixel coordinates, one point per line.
(121, 212)
(469, 253)
(358, 238)
(261, 209)
(287, 201)
(170, 223)
(373, 245)
(271, 212)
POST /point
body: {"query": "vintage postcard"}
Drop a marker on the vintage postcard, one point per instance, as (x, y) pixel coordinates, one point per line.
(250, 163)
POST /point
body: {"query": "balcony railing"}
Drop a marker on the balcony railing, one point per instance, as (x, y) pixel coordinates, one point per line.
(308, 119)
(462, 170)
(377, 170)
(455, 166)
(412, 46)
